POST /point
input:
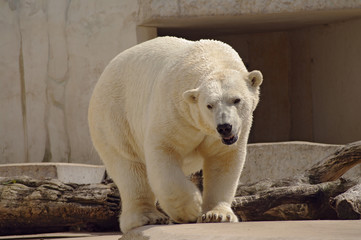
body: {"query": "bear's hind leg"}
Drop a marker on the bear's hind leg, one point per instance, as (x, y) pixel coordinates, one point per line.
(138, 201)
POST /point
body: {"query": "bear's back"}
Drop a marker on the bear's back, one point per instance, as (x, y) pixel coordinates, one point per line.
(144, 81)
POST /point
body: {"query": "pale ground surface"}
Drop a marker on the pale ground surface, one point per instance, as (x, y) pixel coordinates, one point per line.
(295, 230)
(67, 236)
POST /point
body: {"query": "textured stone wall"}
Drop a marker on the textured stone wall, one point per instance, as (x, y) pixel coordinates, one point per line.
(52, 53)
(236, 15)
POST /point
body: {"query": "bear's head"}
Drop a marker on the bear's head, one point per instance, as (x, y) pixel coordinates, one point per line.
(223, 104)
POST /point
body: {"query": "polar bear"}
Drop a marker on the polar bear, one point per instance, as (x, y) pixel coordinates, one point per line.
(164, 109)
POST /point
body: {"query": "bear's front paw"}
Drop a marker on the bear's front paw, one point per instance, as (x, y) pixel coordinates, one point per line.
(218, 215)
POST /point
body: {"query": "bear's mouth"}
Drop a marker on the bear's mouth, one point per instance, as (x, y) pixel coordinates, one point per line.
(230, 140)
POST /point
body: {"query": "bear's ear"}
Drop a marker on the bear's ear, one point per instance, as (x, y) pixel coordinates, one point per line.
(255, 77)
(191, 96)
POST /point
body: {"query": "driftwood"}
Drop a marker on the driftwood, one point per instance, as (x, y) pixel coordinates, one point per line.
(335, 165)
(29, 205)
(348, 204)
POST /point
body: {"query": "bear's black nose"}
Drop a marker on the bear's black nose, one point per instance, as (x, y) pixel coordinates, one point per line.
(224, 129)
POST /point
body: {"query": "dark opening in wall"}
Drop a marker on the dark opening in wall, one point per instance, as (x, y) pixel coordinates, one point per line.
(311, 88)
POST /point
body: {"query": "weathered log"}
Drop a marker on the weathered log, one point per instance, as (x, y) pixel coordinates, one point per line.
(306, 196)
(335, 165)
(30, 205)
(348, 204)
(302, 201)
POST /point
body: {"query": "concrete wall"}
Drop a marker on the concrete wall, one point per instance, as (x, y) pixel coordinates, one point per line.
(52, 53)
(331, 62)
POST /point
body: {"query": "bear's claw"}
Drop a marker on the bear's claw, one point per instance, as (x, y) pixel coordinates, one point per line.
(217, 216)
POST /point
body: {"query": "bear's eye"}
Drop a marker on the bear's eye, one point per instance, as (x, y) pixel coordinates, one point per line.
(209, 106)
(236, 101)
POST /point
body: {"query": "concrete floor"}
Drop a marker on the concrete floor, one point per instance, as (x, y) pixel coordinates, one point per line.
(275, 230)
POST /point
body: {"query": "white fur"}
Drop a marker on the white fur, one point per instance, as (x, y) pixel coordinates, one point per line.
(150, 124)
